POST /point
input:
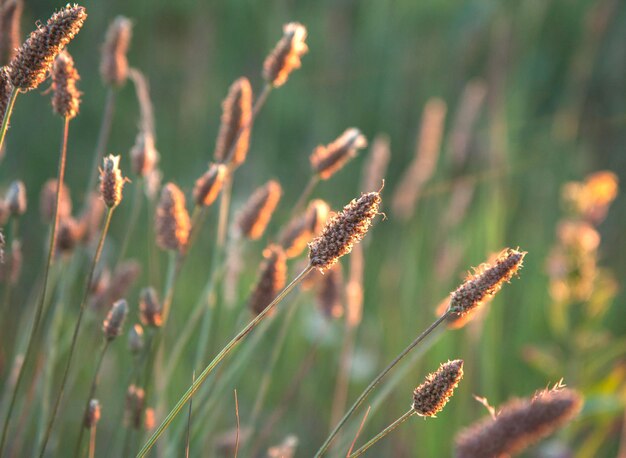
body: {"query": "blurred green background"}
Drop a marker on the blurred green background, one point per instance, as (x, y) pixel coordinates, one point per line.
(555, 110)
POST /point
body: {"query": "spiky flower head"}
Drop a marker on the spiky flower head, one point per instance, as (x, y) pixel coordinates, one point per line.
(114, 63)
(112, 325)
(143, 156)
(135, 339)
(326, 160)
(66, 97)
(485, 282)
(272, 279)
(172, 223)
(234, 135)
(30, 67)
(48, 199)
(258, 210)
(431, 396)
(519, 424)
(209, 185)
(343, 230)
(286, 55)
(92, 416)
(16, 198)
(150, 308)
(111, 181)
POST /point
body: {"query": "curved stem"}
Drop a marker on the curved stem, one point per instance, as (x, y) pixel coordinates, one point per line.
(377, 380)
(7, 115)
(383, 433)
(220, 356)
(76, 330)
(40, 305)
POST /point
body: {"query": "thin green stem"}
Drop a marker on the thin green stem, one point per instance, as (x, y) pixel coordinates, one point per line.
(383, 433)
(377, 380)
(76, 330)
(7, 115)
(220, 356)
(306, 193)
(40, 305)
(103, 140)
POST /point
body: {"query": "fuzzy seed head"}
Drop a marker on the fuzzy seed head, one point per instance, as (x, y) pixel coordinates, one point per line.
(69, 234)
(111, 181)
(34, 59)
(48, 199)
(5, 90)
(135, 403)
(10, 30)
(431, 396)
(143, 156)
(286, 55)
(234, 135)
(343, 230)
(326, 160)
(150, 308)
(519, 424)
(114, 64)
(66, 97)
(272, 279)
(112, 325)
(258, 211)
(93, 413)
(135, 339)
(172, 223)
(485, 282)
(303, 228)
(16, 198)
(209, 185)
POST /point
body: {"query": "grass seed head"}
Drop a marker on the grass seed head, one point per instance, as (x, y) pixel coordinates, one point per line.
(112, 325)
(272, 279)
(69, 234)
(16, 198)
(286, 55)
(135, 403)
(48, 199)
(258, 210)
(135, 339)
(431, 396)
(235, 126)
(172, 223)
(330, 292)
(114, 63)
(150, 308)
(93, 413)
(143, 155)
(5, 90)
(66, 97)
(209, 185)
(326, 160)
(111, 181)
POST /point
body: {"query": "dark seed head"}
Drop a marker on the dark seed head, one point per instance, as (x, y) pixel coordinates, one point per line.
(209, 185)
(286, 55)
(66, 97)
(114, 64)
(234, 134)
(172, 223)
(272, 279)
(431, 396)
(258, 210)
(111, 181)
(326, 160)
(112, 325)
(150, 308)
(92, 416)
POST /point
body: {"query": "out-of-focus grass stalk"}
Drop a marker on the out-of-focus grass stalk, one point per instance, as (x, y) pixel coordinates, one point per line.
(13, 236)
(306, 193)
(7, 116)
(383, 433)
(103, 140)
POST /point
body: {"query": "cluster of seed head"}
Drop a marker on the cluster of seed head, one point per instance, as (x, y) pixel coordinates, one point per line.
(272, 279)
(114, 64)
(92, 416)
(209, 185)
(343, 230)
(111, 181)
(326, 160)
(150, 308)
(66, 97)
(486, 282)
(112, 325)
(286, 55)
(258, 210)
(30, 66)
(172, 224)
(303, 228)
(519, 424)
(431, 396)
(234, 134)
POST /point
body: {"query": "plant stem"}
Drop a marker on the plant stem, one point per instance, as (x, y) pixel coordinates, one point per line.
(383, 433)
(377, 380)
(306, 193)
(40, 305)
(76, 330)
(220, 356)
(7, 115)
(222, 222)
(92, 442)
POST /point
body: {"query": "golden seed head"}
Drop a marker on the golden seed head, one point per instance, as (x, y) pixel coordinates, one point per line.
(143, 156)
(326, 160)
(10, 29)
(111, 181)
(234, 135)
(16, 198)
(48, 199)
(93, 413)
(69, 233)
(209, 185)
(286, 55)
(272, 279)
(172, 224)
(135, 402)
(519, 424)
(343, 230)
(135, 339)
(66, 97)
(34, 59)
(112, 325)
(5, 90)
(114, 64)
(431, 396)
(485, 282)
(258, 210)
(329, 292)
(150, 308)
(303, 228)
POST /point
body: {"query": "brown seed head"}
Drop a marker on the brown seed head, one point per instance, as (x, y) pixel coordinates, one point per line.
(343, 230)
(143, 156)
(272, 278)
(303, 228)
(135, 402)
(431, 396)
(234, 134)
(117, 287)
(5, 90)
(135, 339)
(485, 282)
(172, 222)
(34, 58)
(16, 198)
(329, 292)
(10, 29)
(48, 199)
(112, 325)
(326, 160)
(114, 64)
(286, 55)
(93, 413)
(66, 97)
(111, 181)
(69, 233)
(150, 308)
(519, 424)
(258, 210)
(209, 185)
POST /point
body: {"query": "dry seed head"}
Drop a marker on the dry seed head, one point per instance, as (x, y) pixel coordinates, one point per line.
(30, 66)
(48, 199)
(343, 230)
(303, 228)
(111, 181)
(135, 339)
(93, 413)
(486, 282)
(143, 156)
(234, 133)
(150, 308)
(172, 224)
(10, 29)
(286, 55)
(326, 160)
(329, 292)
(272, 279)
(431, 396)
(112, 325)
(258, 210)
(114, 64)
(16, 198)
(5, 90)
(66, 97)
(135, 401)
(519, 424)
(209, 185)
(69, 233)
